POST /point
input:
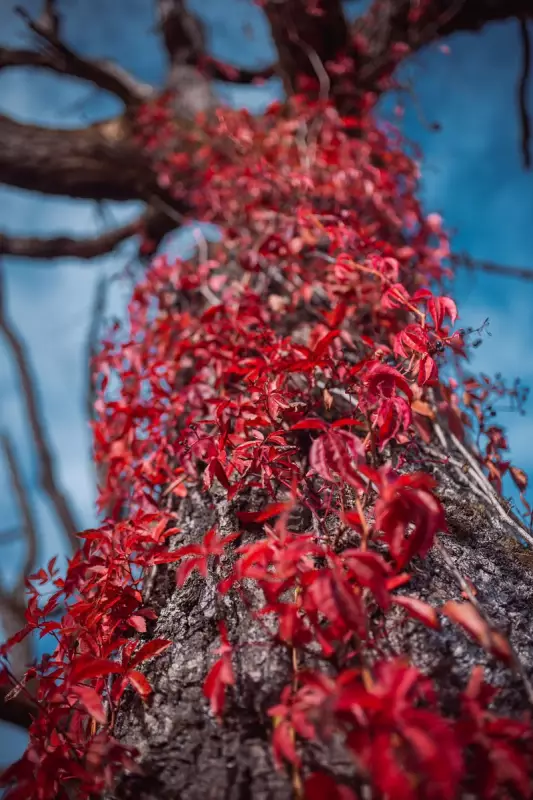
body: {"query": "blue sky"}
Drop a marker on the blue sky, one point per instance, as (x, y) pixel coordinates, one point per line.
(472, 175)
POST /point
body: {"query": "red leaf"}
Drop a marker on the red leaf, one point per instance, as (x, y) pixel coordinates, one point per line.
(283, 743)
(322, 345)
(270, 511)
(348, 422)
(139, 683)
(149, 650)
(86, 667)
(440, 307)
(467, 615)
(337, 454)
(320, 786)
(382, 381)
(137, 622)
(309, 424)
(220, 675)
(519, 477)
(92, 702)
(419, 610)
(185, 569)
(215, 470)
(427, 370)
(397, 581)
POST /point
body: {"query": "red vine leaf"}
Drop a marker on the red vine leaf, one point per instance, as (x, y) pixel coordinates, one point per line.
(150, 650)
(91, 701)
(419, 610)
(140, 683)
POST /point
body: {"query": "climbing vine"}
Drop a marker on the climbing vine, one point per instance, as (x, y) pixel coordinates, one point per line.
(298, 368)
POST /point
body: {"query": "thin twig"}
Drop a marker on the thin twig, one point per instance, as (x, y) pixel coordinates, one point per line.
(482, 480)
(467, 262)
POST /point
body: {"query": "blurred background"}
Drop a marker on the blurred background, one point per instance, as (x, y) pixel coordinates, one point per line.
(473, 176)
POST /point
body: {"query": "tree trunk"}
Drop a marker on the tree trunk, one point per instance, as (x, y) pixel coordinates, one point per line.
(235, 387)
(186, 754)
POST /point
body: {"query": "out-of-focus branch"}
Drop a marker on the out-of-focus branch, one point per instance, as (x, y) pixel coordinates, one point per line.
(12, 605)
(104, 74)
(29, 526)
(99, 162)
(523, 87)
(57, 56)
(306, 34)
(185, 42)
(61, 504)
(466, 261)
(67, 247)
(393, 29)
(97, 314)
(182, 31)
(17, 710)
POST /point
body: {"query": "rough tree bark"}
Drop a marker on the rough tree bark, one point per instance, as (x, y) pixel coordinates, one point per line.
(185, 752)
(189, 755)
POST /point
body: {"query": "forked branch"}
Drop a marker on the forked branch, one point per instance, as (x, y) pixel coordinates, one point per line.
(58, 57)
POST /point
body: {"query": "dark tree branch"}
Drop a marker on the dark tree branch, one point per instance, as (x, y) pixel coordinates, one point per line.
(56, 56)
(63, 509)
(523, 87)
(104, 74)
(17, 710)
(476, 264)
(389, 23)
(182, 31)
(185, 42)
(305, 32)
(65, 246)
(12, 602)
(29, 526)
(100, 162)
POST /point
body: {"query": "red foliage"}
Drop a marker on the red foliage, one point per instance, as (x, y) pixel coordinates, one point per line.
(288, 361)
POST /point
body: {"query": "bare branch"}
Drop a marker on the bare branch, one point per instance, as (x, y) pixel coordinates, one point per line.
(466, 261)
(58, 57)
(29, 526)
(104, 74)
(65, 246)
(523, 87)
(18, 710)
(63, 509)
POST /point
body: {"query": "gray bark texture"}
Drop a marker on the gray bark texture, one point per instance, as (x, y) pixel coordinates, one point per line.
(188, 755)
